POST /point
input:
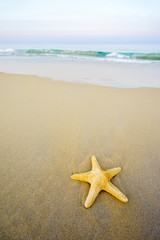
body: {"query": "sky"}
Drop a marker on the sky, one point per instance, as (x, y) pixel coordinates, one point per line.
(80, 21)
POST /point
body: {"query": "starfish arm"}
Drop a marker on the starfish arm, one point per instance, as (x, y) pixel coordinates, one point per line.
(93, 193)
(116, 192)
(81, 177)
(112, 172)
(95, 163)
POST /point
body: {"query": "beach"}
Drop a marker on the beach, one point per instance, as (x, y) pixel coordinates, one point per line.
(49, 130)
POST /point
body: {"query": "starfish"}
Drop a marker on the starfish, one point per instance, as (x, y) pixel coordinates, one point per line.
(99, 180)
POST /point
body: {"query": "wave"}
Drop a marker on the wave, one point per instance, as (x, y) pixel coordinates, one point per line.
(66, 52)
(6, 50)
(110, 56)
(151, 56)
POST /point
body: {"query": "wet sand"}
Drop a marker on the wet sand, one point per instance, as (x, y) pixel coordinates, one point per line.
(48, 131)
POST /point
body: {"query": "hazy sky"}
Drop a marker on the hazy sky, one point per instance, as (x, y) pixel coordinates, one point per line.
(80, 21)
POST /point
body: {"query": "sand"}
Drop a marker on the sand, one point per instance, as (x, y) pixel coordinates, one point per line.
(48, 131)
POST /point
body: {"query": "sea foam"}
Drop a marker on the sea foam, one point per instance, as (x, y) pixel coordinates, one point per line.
(86, 55)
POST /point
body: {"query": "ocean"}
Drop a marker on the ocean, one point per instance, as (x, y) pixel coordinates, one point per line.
(125, 66)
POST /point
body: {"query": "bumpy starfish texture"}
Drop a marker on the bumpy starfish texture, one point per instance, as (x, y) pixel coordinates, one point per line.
(99, 180)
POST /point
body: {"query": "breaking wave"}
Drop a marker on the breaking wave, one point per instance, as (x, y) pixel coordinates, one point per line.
(98, 55)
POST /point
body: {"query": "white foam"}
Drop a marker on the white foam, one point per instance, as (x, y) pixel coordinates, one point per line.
(7, 50)
(116, 55)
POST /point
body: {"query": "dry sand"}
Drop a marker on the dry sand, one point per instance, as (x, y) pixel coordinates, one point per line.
(49, 130)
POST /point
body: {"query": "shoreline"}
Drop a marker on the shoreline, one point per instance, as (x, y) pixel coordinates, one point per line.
(111, 74)
(48, 131)
(42, 78)
(68, 82)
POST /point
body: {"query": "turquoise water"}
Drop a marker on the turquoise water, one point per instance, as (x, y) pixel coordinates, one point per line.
(69, 53)
(121, 53)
